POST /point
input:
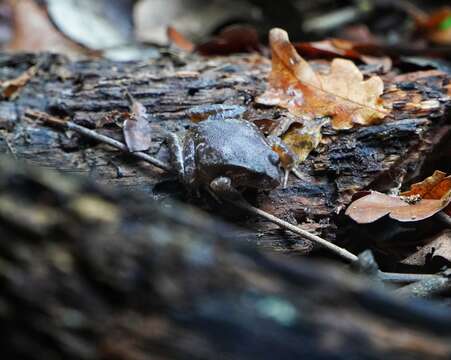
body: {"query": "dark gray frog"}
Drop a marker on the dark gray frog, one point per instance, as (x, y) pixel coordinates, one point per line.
(226, 156)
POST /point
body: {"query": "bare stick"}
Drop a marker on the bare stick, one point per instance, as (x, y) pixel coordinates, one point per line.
(426, 288)
(405, 278)
(96, 136)
(343, 253)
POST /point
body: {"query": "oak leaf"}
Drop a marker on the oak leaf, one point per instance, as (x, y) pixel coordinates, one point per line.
(341, 94)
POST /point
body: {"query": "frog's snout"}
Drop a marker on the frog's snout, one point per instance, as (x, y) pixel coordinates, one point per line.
(274, 158)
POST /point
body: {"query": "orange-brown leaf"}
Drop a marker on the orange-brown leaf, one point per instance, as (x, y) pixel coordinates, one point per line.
(35, 32)
(373, 206)
(179, 40)
(11, 88)
(376, 205)
(433, 187)
(341, 94)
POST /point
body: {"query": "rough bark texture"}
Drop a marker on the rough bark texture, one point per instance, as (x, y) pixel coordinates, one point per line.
(92, 93)
(88, 274)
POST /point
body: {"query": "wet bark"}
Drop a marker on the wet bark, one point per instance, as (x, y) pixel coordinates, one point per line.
(92, 93)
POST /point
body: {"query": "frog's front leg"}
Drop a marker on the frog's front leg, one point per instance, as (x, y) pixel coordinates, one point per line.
(183, 158)
(175, 145)
(222, 187)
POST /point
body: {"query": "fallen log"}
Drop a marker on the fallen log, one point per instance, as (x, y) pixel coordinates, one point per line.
(91, 93)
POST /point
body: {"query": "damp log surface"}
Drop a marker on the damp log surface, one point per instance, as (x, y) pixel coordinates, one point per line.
(91, 93)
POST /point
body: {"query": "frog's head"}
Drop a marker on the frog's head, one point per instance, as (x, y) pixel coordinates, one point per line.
(263, 172)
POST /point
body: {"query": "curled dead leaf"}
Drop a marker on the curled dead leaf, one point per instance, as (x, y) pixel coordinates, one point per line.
(341, 94)
(423, 200)
(435, 187)
(137, 131)
(34, 32)
(11, 88)
(372, 207)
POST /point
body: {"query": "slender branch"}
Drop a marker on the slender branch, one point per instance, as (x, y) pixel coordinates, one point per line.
(51, 120)
(426, 288)
(405, 278)
(343, 253)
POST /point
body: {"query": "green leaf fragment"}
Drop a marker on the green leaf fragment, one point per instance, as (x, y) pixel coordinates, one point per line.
(445, 24)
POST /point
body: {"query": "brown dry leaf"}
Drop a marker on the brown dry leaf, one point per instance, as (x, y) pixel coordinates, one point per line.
(435, 187)
(231, 40)
(334, 47)
(341, 94)
(34, 32)
(376, 205)
(179, 40)
(137, 131)
(11, 88)
(372, 207)
(439, 246)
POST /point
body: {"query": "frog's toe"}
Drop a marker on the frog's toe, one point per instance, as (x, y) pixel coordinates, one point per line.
(222, 186)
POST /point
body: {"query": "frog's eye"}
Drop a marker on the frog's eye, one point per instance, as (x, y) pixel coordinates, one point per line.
(274, 158)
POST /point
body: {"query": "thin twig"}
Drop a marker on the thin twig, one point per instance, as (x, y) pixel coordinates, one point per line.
(426, 288)
(51, 120)
(405, 278)
(345, 254)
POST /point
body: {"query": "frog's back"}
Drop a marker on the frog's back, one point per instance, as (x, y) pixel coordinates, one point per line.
(231, 142)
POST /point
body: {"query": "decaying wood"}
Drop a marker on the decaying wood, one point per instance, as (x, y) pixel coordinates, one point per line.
(90, 274)
(91, 93)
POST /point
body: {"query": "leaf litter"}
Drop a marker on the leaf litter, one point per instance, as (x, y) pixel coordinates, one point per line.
(137, 130)
(422, 201)
(342, 93)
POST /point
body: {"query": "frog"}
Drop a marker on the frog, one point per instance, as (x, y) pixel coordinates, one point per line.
(226, 156)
